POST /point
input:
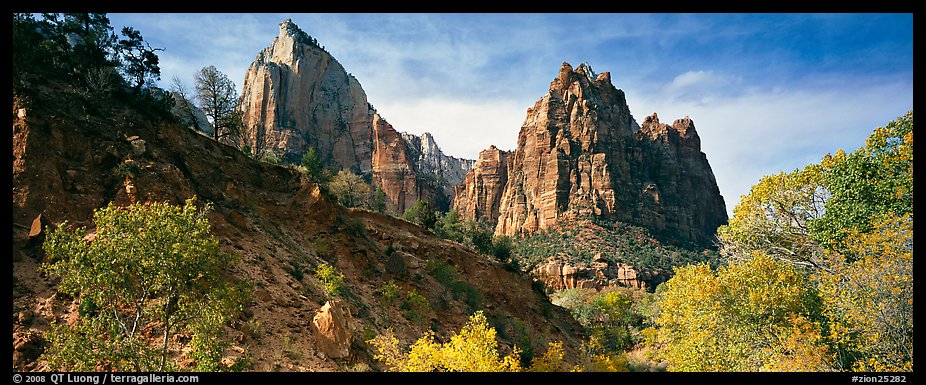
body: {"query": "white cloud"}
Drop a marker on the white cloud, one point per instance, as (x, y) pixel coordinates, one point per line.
(700, 87)
(461, 128)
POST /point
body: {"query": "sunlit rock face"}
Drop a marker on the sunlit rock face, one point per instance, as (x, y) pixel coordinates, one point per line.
(581, 152)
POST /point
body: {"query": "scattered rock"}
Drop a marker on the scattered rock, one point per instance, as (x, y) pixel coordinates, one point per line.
(396, 264)
(262, 295)
(25, 317)
(138, 147)
(38, 226)
(331, 327)
(28, 345)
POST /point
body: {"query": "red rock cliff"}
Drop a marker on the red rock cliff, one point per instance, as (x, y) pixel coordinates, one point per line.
(580, 152)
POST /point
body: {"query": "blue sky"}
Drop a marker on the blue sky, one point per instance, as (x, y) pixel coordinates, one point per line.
(767, 92)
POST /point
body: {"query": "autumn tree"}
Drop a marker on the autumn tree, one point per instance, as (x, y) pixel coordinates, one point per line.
(473, 349)
(775, 218)
(730, 319)
(869, 300)
(216, 95)
(848, 223)
(150, 271)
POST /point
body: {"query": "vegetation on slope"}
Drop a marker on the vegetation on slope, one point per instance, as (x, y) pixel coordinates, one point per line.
(149, 272)
(582, 239)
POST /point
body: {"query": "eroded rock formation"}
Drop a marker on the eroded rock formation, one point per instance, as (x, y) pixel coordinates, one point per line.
(444, 170)
(296, 96)
(479, 196)
(580, 152)
(395, 171)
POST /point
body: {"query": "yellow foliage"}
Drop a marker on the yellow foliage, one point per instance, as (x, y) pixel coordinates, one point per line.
(551, 360)
(720, 321)
(869, 302)
(473, 349)
(801, 348)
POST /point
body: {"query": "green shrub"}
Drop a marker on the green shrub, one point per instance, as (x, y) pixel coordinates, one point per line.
(390, 293)
(450, 278)
(421, 214)
(415, 306)
(152, 267)
(126, 170)
(329, 280)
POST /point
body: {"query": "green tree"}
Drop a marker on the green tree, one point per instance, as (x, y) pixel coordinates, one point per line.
(420, 213)
(607, 316)
(316, 169)
(875, 180)
(350, 189)
(378, 200)
(216, 95)
(450, 226)
(501, 248)
(480, 237)
(150, 271)
(139, 60)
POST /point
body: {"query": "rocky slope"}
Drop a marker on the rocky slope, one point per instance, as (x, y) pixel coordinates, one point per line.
(281, 226)
(299, 96)
(580, 152)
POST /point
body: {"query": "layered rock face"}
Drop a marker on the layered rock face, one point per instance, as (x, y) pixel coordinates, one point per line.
(479, 196)
(396, 171)
(680, 195)
(580, 152)
(298, 96)
(446, 171)
(301, 97)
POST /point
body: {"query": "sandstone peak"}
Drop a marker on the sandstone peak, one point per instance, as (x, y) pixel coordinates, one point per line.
(580, 152)
(297, 96)
(682, 131)
(290, 29)
(586, 69)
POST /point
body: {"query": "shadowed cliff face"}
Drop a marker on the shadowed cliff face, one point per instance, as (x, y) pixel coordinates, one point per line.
(580, 152)
(297, 96)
